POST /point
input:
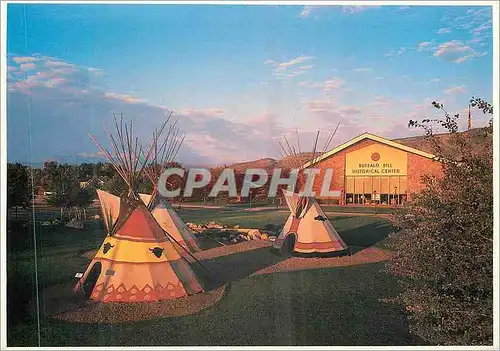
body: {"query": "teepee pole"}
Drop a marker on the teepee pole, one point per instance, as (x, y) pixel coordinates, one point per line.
(187, 251)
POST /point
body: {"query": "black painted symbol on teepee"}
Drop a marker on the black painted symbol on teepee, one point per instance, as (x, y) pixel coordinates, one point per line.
(157, 251)
(320, 218)
(107, 247)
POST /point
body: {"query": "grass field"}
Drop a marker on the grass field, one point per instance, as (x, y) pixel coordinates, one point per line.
(336, 306)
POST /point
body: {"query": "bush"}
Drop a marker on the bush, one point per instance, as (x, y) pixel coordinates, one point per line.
(444, 252)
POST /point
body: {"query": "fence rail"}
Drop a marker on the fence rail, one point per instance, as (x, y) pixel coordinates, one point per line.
(44, 213)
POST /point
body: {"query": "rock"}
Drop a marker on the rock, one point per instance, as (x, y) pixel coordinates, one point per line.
(272, 238)
(264, 237)
(214, 225)
(234, 241)
(75, 223)
(236, 227)
(232, 236)
(255, 234)
(194, 227)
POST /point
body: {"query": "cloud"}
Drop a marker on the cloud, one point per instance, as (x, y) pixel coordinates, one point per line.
(95, 71)
(477, 31)
(27, 66)
(477, 21)
(378, 78)
(457, 51)
(288, 69)
(124, 97)
(55, 82)
(306, 67)
(328, 110)
(426, 45)
(459, 89)
(380, 101)
(329, 86)
(444, 31)
(434, 80)
(321, 105)
(24, 59)
(471, 56)
(57, 63)
(333, 84)
(471, 18)
(394, 53)
(91, 155)
(295, 61)
(211, 112)
(66, 105)
(452, 48)
(350, 110)
(357, 8)
(363, 70)
(47, 72)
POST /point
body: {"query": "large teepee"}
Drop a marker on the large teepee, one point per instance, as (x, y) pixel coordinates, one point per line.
(307, 230)
(163, 156)
(137, 261)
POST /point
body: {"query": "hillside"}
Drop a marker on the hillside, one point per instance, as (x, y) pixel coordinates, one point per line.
(264, 163)
(423, 143)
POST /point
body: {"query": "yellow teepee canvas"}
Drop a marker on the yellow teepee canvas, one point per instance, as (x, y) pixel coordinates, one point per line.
(137, 261)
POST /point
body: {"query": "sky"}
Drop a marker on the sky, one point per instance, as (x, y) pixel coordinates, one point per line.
(237, 78)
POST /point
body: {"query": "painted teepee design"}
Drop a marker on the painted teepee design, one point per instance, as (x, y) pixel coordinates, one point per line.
(137, 261)
(314, 233)
(163, 156)
(307, 230)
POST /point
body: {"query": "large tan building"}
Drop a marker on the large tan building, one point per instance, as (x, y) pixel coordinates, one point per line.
(369, 169)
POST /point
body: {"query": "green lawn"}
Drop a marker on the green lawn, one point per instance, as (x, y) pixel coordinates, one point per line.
(337, 306)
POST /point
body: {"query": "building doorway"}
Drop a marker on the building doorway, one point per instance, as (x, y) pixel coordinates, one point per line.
(375, 190)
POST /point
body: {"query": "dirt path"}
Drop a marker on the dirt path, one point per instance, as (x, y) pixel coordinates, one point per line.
(116, 312)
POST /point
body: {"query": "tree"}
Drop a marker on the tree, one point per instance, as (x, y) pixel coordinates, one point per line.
(115, 184)
(443, 253)
(19, 189)
(63, 182)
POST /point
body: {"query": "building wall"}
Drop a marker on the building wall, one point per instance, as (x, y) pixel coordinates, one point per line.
(337, 163)
(417, 167)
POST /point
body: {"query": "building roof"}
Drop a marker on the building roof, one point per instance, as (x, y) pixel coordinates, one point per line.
(370, 137)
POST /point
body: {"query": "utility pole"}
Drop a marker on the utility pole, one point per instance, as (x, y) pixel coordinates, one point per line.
(469, 124)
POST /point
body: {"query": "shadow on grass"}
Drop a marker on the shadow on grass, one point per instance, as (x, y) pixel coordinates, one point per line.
(229, 268)
(321, 307)
(367, 235)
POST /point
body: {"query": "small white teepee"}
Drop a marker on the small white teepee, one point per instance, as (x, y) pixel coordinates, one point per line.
(307, 230)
